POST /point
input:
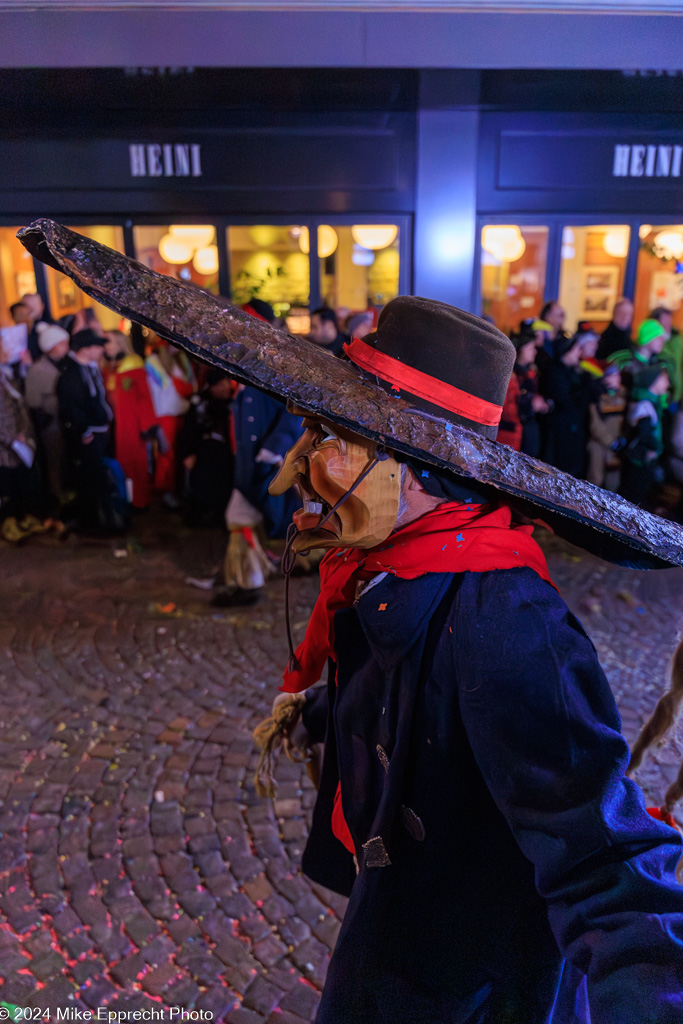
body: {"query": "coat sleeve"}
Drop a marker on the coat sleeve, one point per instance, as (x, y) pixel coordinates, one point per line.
(70, 398)
(545, 733)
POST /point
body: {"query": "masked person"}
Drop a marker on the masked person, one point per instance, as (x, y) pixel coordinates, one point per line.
(473, 802)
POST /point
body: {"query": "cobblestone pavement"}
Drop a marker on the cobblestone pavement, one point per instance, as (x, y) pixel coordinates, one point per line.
(137, 866)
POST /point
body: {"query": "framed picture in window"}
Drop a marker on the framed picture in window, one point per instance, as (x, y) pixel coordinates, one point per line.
(599, 292)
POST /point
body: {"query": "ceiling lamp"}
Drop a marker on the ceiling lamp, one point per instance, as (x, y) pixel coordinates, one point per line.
(505, 242)
(615, 242)
(173, 251)
(327, 241)
(197, 236)
(644, 230)
(206, 260)
(374, 236)
(670, 244)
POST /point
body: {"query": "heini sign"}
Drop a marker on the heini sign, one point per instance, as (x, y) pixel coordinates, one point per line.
(179, 160)
(647, 161)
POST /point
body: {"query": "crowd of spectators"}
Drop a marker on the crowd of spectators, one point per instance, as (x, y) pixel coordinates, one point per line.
(94, 424)
(603, 407)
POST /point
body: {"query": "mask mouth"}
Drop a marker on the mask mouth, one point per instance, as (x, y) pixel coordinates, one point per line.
(314, 511)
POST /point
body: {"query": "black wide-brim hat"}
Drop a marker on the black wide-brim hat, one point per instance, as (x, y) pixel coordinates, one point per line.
(425, 361)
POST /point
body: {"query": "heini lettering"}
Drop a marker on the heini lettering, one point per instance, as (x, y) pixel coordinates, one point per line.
(177, 160)
(647, 161)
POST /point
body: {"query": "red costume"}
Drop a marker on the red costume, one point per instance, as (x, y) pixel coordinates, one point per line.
(510, 429)
(170, 393)
(129, 397)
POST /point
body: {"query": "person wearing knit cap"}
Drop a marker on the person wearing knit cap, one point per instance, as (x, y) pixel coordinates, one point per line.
(41, 398)
(643, 470)
(646, 350)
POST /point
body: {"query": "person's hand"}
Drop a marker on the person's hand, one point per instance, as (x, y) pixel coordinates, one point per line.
(22, 438)
(26, 358)
(539, 404)
(189, 462)
(87, 438)
(270, 458)
(296, 737)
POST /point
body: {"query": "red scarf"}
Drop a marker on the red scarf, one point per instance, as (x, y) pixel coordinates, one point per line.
(454, 537)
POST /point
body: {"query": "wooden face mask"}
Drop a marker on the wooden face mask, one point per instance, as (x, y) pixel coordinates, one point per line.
(323, 465)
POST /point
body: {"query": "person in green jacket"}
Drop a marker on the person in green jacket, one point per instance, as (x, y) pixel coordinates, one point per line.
(645, 351)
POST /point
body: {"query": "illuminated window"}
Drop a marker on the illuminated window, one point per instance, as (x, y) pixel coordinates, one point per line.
(66, 297)
(271, 263)
(16, 273)
(659, 275)
(592, 272)
(513, 268)
(185, 251)
(362, 269)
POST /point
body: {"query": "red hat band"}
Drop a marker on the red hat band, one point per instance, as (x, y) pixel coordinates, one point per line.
(422, 385)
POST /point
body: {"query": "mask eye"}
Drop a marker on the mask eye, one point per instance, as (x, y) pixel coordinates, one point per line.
(321, 435)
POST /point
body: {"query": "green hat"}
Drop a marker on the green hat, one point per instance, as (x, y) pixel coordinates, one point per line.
(648, 331)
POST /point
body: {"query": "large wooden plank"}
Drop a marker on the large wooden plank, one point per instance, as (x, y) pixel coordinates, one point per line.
(212, 330)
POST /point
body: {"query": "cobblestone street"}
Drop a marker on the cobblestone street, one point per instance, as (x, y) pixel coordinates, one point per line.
(137, 865)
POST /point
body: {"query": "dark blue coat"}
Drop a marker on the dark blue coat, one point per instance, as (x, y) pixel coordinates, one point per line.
(482, 765)
(263, 422)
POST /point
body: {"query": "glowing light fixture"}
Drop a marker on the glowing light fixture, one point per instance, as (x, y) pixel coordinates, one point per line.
(197, 236)
(374, 236)
(670, 243)
(504, 241)
(206, 260)
(615, 242)
(327, 240)
(361, 257)
(644, 230)
(173, 250)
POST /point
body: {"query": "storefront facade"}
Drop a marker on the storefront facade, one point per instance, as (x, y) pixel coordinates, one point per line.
(350, 187)
(580, 207)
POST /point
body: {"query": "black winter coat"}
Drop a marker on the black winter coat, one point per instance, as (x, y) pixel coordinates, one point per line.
(566, 425)
(509, 873)
(83, 407)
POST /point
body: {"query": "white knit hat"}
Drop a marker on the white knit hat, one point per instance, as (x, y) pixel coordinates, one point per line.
(50, 335)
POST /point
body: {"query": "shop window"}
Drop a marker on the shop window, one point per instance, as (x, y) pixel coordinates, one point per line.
(659, 274)
(592, 272)
(513, 268)
(66, 298)
(16, 273)
(359, 266)
(184, 251)
(271, 263)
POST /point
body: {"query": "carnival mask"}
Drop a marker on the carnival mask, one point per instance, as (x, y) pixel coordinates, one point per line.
(323, 465)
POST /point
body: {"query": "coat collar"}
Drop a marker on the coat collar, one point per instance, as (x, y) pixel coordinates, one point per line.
(395, 612)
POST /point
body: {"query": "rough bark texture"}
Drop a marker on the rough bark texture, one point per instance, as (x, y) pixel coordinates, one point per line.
(210, 329)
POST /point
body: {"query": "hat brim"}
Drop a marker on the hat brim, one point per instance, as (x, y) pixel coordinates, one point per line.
(252, 351)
